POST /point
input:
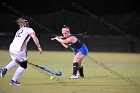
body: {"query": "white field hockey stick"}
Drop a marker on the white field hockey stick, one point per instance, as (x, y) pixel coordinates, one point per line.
(53, 38)
(80, 34)
(60, 37)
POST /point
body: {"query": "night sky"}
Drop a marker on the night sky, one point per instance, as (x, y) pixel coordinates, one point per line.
(122, 17)
(99, 7)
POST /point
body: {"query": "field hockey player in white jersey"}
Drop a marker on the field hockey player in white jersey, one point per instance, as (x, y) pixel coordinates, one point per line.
(18, 50)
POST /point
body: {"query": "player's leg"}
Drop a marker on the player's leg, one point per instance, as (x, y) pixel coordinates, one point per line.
(84, 52)
(76, 63)
(18, 73)
(22, 60)
(80, 69)
(11, 65)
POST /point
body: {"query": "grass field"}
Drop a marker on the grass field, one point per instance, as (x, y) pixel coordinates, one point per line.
(104, 73)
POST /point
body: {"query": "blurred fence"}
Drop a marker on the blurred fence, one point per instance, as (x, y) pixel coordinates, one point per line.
(100, 38)
(94, 43)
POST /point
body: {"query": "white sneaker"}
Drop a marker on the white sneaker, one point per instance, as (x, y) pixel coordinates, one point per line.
(80, 76)
(74, 76)
(14, 83)
(3, 72)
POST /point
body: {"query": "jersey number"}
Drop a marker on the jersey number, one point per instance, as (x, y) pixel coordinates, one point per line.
(18, 34)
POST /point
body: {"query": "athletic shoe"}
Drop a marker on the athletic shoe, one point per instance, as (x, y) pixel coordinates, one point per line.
(3, 72)
(81, 76)
(74, 77)
(14, 83)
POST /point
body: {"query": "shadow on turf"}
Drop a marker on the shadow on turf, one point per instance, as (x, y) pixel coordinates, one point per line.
(69, 84)
(52, 83)
(121, 76)
(63, 83)
(110, 77)
(79, 83)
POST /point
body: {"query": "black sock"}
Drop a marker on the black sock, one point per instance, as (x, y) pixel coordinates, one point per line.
(75, 68)
(81, 71)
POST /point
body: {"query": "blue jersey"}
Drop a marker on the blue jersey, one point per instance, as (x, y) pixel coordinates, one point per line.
(78, 46)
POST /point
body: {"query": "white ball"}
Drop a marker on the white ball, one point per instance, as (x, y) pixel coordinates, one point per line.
(51, 77)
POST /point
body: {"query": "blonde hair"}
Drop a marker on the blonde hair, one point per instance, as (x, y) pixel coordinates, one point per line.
(22, 20)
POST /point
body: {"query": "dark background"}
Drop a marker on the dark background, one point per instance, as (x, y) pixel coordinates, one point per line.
(112, 25)
(99, 7)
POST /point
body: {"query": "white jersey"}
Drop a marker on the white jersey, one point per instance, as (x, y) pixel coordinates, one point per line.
(21, 39)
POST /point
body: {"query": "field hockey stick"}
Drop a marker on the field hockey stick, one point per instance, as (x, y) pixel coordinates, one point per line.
(80, 34)
(53, 38)
(60, 37)
(46, 69)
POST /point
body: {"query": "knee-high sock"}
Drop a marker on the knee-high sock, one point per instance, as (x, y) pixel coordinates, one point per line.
(75, 68)
(81, 72)
(18, 73)
(11, 65)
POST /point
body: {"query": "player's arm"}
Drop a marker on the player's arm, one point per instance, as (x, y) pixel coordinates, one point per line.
(64, 41)
(61, 37)
(65, 45)
(35, 39)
